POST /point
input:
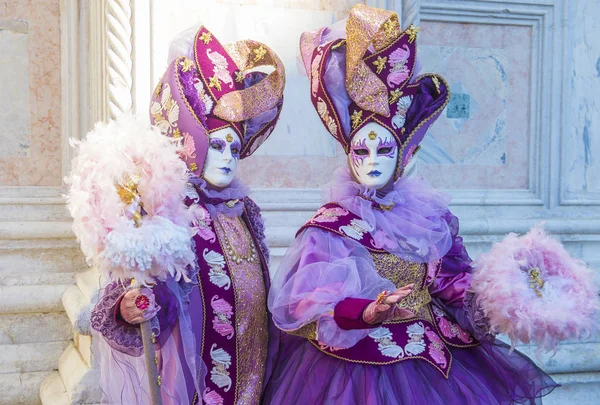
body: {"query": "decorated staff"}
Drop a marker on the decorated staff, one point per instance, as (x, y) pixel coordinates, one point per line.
(127, 187)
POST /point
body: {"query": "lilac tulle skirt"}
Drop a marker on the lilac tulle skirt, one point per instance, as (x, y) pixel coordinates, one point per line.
(485, 374)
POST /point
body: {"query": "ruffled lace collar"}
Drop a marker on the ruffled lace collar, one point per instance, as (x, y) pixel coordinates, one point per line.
(406, 219)
(227, 201)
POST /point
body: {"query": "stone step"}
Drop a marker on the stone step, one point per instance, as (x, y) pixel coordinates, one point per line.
(40, 256)
(21, 388)
(53, 392)
(80, 382)
(78, 309)
(31, 298)
(20, 279)
(30, 357)
(576, 388)
(569, 358)
(33, 328)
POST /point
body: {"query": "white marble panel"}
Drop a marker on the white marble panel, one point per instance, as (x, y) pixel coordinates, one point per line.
(15, 134)
(481, 140)
(581, 108)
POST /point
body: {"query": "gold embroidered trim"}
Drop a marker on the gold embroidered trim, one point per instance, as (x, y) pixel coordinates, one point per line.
(308, 331)
(206, 37)
(380, 63)
(215, 82)
(395, 95)
(356, 118)
(412, 31)
(186, 64)
(239, 76)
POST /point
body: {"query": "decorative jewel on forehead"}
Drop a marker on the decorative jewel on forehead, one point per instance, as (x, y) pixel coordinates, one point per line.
(372, 135)
(386, 147)
(359, 152)
(229, 138)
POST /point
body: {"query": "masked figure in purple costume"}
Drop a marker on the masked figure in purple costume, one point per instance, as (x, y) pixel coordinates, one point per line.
(213, 335)
(373, 293)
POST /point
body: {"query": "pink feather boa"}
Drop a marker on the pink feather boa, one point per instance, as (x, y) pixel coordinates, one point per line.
(568, 306)
(109, 154)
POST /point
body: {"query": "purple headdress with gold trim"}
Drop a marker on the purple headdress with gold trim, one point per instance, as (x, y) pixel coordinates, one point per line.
(213, 92)
(366, 76)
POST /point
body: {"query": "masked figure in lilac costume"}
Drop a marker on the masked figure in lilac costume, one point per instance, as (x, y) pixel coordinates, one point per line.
(373, 293)
(213, 335)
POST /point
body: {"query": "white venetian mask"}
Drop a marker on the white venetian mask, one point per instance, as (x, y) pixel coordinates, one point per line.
(223, 155)
(373, 155)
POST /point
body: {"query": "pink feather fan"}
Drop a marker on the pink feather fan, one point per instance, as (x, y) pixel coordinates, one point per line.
(531, 289)
(126, 192)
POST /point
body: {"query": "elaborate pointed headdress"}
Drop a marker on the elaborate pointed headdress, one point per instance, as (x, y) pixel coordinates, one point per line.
(213, 92)
(366, 76)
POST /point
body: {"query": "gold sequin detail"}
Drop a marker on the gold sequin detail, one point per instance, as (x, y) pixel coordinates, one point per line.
(176, 133)
(308, 331)
(259, 53)
(215, 82)
(380, 63)
(391, 27)
(156, 359)
(366, 26)
(356, 118)
(395, 95)
(158, 89)
(240, 105)
(372, 135)
(412, 31)
(401, 273)
(206, 37)
(159, 381)
(436, 82)
(229, 138)
(153, 338)
(193, 166)
(239, 76)
(186, 64)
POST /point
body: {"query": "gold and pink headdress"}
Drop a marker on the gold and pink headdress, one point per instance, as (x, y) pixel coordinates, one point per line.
(215, 91)
(366, 75)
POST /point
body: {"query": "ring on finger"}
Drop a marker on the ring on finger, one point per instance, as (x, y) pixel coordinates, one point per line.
(142, 302)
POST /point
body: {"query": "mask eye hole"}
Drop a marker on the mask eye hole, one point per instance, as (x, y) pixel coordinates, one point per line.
(384, 151)
(235, 151)
(361, 152)
(216, 146)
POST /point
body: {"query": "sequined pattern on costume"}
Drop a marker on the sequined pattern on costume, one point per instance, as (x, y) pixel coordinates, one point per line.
(251, 315)
(401, 273)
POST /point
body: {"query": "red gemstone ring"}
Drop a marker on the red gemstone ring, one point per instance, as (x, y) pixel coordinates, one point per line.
(142, 302)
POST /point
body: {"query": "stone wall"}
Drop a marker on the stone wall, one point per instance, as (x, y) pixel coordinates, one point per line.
(38, 253)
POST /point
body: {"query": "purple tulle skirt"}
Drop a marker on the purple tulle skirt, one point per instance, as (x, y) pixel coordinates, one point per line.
(485, 374)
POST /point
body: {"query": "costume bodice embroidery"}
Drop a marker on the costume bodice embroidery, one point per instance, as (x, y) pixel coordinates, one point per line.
(426, 336)
(251, 329)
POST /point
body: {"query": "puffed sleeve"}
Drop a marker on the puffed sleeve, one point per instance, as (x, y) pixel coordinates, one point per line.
(319, 271)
